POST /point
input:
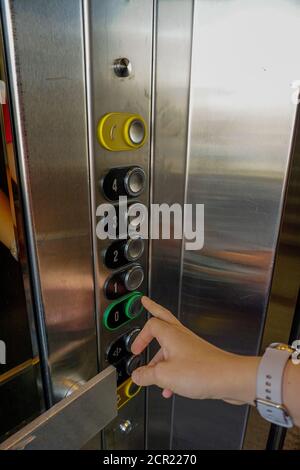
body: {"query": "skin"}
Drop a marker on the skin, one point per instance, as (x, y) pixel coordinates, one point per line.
(191, 367)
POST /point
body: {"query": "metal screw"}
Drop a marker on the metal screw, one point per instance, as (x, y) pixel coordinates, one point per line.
(122, 67)
(126, 426)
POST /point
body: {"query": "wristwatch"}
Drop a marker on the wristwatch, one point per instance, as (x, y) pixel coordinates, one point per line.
(269, 393)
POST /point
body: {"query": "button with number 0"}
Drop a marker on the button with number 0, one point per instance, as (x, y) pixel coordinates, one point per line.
(119, 313)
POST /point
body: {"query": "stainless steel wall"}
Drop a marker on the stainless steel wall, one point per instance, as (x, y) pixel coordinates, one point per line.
(283, 313)
(20, 397)
(60, 57)
(170, 127)
(218, 87)
(45, 52)
(240, 119)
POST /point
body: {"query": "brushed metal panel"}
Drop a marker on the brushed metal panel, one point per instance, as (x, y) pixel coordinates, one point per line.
(50, 86)
(20, 397)
(281, 320)
(241, 123)
(115, 29)
(72, 422)
(172, 76)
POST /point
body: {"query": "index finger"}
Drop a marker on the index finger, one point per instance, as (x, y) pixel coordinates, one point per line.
(159, 311)
(154, 328)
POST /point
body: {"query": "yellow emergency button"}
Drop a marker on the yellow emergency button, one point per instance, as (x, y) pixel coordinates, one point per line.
(121, 131)
(131, 389)
(126, 391)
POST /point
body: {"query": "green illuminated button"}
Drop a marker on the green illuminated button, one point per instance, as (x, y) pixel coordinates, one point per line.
(123, 310)
(134, 307)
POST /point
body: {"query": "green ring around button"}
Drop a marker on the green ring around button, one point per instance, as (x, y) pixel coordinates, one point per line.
(130, 301)
(128, 297)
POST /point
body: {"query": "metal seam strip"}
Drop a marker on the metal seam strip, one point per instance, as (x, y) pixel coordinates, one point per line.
(91, 172)
(151, 170)
(187, 163)
(91, 159)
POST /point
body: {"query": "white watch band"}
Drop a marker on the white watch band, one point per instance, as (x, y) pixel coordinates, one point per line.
(269, 393)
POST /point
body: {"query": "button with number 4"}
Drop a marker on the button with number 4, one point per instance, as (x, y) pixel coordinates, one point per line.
(129, 181)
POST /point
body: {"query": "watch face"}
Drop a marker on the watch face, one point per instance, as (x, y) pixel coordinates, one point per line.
(284, 347)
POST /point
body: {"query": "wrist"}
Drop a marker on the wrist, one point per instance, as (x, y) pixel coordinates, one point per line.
(240, 381)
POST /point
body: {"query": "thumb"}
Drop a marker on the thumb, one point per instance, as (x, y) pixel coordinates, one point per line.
(144, 375)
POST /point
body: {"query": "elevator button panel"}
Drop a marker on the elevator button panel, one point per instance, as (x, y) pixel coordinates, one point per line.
(124, 281)
(122, 311)
(123, 252)
(121, 131)
(128, 181)
(120, 118)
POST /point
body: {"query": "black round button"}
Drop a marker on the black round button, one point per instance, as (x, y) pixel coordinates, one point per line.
(128, 181)
(135, 181)
(130, 337)
(125, 281)
(134, 248)
(133, 363)
(133, 278)
(121, 252)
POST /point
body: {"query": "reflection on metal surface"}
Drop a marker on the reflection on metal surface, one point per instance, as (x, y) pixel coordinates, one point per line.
(222, 115)
(241, 118)
(20, 371)
(283, 299)
(174, 28)
(55, 175)
(72, 422)
(19, 368)
(241, 123)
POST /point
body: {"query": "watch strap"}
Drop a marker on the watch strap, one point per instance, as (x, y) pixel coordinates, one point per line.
(269, 390)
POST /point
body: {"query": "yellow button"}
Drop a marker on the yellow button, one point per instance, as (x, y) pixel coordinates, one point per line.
(121, 131)
(131, 389)
(126, 391)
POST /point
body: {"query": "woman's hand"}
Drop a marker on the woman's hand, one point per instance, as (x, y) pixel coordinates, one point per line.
(188, 365)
